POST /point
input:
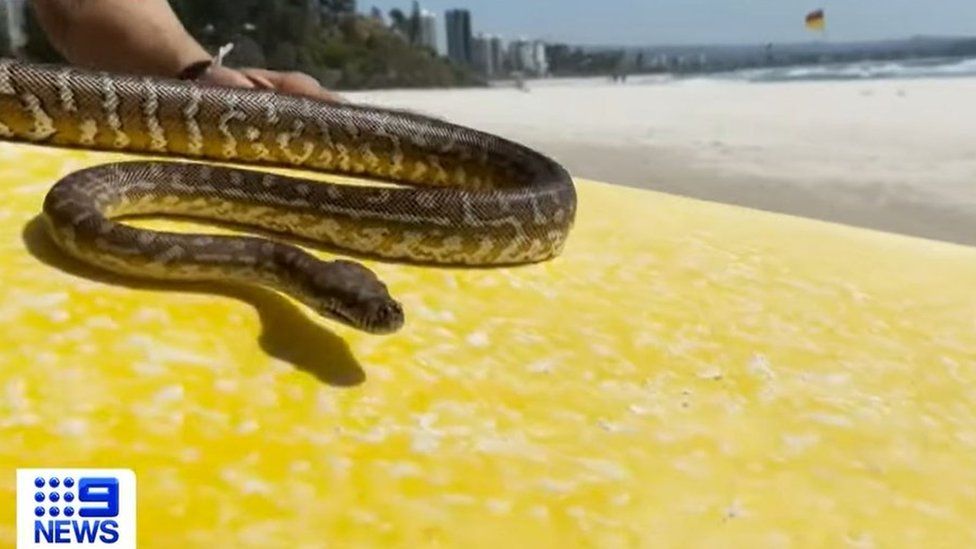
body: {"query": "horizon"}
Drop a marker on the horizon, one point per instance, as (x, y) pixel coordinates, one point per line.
(681, 23)
(784, 43)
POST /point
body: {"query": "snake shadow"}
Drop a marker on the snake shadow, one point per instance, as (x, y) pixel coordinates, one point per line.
(287, 333)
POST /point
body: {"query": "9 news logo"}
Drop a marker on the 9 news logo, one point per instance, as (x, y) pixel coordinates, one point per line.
(76, 508)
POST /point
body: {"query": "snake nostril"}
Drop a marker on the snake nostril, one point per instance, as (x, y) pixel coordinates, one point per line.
(390, 311)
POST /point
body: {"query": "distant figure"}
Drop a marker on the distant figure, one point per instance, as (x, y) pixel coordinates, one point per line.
(520, 81)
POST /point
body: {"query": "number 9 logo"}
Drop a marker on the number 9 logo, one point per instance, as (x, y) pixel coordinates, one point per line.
(104, 491)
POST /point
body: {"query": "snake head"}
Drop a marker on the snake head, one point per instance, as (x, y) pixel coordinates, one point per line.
(352, 294)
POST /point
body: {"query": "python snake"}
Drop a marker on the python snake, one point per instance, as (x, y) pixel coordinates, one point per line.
(460, 196)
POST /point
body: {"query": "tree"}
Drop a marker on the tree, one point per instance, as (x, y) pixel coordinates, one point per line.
(226, 18)
(376, 14)
(398, 21)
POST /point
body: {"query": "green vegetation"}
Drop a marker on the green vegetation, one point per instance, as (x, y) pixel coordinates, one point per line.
(566, 60)
(341, 50)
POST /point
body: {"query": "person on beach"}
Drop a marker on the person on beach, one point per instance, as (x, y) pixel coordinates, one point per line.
(145, 37)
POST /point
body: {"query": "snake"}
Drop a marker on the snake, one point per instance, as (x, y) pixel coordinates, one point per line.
(426, 190)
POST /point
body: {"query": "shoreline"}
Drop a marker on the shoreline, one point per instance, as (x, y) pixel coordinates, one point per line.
(891, 155)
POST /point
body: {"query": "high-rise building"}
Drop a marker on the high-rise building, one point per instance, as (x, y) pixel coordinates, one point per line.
(498, 55)
(481, 58)
(488, 55)
(458, 23)
(519, 56)
(540, 62)
(428, 30)
(529, 57)
(328, 11)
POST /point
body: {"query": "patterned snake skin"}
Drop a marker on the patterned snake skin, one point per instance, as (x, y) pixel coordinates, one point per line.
(462, 197)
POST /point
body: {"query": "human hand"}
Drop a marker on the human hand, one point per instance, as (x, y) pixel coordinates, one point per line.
(147, 38)
(286, 82)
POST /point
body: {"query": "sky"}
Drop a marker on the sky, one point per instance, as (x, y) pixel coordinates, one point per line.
(656, 22)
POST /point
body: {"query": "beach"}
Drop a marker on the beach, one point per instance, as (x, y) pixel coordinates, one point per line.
(896, 155)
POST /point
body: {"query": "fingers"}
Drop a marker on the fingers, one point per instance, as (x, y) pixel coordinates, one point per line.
(259, 80)
(223, 76)
(293, 82)
(296, 83)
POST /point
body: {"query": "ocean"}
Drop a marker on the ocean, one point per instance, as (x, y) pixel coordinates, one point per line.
(929, 67)
(938, 67)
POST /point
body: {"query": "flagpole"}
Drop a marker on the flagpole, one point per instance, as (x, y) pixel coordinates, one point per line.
(826, 36)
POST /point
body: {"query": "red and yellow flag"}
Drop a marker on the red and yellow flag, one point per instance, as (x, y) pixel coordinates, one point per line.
(815, 20)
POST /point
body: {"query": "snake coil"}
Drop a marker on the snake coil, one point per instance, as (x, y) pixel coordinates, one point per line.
(459, 196)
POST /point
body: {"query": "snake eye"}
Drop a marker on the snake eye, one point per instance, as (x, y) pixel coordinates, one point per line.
(384, 316)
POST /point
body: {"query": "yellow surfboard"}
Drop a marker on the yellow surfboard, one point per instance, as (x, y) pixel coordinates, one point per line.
(686, 374)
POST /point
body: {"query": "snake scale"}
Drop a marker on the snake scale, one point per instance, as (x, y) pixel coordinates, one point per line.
(456, 196)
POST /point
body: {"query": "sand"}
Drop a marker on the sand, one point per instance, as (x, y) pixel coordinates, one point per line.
(894, 155)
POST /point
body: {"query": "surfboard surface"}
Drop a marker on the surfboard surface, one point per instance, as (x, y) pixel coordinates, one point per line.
(686, 374)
